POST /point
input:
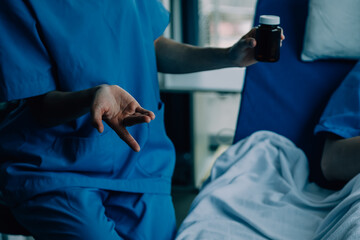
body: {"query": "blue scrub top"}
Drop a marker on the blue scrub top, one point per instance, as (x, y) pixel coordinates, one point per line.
(342, 113)
(70, 46)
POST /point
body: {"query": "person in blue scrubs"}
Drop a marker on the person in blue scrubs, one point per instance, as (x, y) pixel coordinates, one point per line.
(340, 124)
(83, 149)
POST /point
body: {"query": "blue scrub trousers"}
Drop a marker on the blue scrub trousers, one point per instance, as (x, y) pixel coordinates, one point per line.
(93, 214)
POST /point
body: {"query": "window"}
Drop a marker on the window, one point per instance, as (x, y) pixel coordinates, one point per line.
(214, 96)
(223, 22)
(220, 24)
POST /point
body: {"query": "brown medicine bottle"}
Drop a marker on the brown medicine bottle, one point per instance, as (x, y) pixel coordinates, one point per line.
(268, 36)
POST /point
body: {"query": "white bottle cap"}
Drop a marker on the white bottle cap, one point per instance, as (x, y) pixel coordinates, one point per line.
(269, 20)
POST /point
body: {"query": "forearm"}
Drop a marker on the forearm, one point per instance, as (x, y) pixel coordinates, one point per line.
(341, 159)
(173, 57)
(55, 108)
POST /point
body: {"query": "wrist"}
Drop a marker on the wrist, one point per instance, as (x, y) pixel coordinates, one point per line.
(221, 58)
(89, 95)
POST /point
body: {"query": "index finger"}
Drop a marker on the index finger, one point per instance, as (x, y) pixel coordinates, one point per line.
(127, 138)
(124, 135)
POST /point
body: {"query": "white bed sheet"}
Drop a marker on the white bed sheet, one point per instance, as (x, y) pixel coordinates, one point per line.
(259, 189)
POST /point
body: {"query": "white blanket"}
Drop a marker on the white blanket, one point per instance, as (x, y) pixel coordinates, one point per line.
(259, 189)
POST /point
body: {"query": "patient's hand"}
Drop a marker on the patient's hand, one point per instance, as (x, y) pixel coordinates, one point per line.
(340, 158)
(119, 110)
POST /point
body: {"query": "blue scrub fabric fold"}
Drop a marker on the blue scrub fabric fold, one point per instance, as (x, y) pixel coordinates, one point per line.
(93, 214)
(25, 64)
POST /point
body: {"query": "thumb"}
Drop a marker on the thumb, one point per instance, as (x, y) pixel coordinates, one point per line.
(246, 43)
(250, 42)
(97, 120)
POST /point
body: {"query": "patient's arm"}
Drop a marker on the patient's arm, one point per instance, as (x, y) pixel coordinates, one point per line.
(341, 158)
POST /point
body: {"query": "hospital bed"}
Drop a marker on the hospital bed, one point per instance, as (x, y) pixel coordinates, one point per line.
(264, 187)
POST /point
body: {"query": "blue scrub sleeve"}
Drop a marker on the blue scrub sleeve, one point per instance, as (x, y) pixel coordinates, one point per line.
(159, 18)
(342, 114)
(25, 68)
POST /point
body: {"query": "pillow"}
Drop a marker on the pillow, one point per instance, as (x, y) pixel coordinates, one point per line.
(332, 30)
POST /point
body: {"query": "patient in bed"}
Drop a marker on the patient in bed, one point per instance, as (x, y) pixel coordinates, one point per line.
(260, 189)
(340, 123)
